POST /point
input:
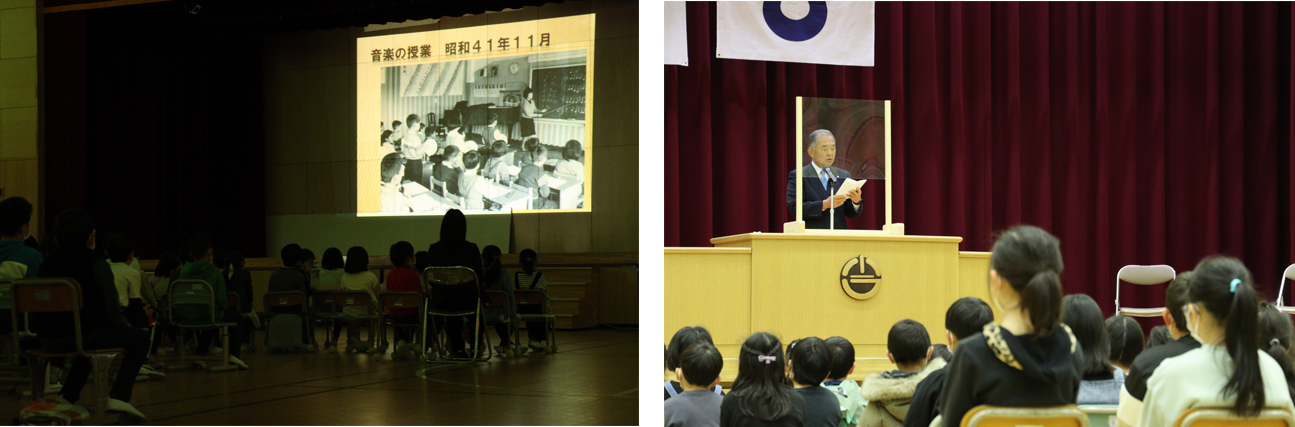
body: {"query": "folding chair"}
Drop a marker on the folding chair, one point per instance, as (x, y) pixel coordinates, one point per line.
(236, 304)
(343, 299)
(493, 299)
(60, 295)
(322, 302)
(406, 300)
(1220, 417)
(277, 304)
(1142, 275)
(453, 292)
(1288, 275)
(202, 298)
(11, 358)
(535, 298)
(1001, 416)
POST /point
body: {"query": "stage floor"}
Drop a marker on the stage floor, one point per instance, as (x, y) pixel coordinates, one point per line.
(591, 381)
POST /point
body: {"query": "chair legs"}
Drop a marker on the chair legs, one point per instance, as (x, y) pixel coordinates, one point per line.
(101, 364)
(224, 356)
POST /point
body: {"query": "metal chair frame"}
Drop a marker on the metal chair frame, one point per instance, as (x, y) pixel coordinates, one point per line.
(449, 277)
(1288, 275)
(269, 301)
(190, 297)
(500, 299)
(60, 295)
(351, 298)
(536, 297)
(1052, 416)
(406, 299)
(1218, 417)
(318, 300)
(1142, 275)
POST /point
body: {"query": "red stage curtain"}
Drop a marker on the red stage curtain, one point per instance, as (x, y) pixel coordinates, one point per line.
(1138, 133)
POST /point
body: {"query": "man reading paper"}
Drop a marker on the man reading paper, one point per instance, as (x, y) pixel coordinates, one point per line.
(820, 181)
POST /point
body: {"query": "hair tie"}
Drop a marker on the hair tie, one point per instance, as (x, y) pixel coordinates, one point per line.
(1235, 282)
(1275, 341)
(767, 359)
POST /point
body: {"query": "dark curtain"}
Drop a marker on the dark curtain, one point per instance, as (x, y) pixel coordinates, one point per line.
(1138, 133)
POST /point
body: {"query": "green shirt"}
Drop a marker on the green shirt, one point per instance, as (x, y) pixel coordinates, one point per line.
(208, 272)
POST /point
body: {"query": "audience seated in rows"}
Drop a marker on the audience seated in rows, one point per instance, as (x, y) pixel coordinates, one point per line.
(1101, 381)
(684, 338)
(698, 372)
(202, 269)
(889, 393)
(847, 391)
(965, 317)
(808, 363)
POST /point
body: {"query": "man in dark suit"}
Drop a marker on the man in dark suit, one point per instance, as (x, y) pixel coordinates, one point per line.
(820, 181)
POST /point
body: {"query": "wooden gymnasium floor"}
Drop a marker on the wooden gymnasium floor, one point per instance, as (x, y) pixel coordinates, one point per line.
(591, 381)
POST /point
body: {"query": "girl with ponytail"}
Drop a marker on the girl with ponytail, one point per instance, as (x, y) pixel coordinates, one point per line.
(1275, 331)
(1231, 368)
(762, 393)
(1028, 358)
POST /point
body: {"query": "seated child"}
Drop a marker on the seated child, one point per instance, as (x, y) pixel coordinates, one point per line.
(685, 337)
(809, 363)
(1101, 381)
(495, 278)
(402, 278)
(846, 390)
(392, 199)
(472, 186)
(496, 168)
(1126, 341)
(965, 317)
(358, 278)
(532, 176)
(698, 371)
(530, 280)
(908, 346)
(446, 171)
(761, 396)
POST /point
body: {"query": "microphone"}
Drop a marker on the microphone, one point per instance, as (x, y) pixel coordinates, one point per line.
(831, 178)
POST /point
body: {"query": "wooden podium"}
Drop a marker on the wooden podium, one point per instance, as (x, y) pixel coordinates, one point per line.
(792, 286)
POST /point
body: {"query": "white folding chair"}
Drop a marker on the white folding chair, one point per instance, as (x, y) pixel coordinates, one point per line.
(1288, 275)
(1142, 275)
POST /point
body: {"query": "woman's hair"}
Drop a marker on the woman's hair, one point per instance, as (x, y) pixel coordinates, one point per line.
(685, 337)
(1222, 287)
(526, 92)
(1029, 259)
(167, 262)
(572, 151)
(527, 258)
(490, 263)
(1275, 331)
(233, 262)
(1084, 317)
(1126, 338)
(810, 360)
(1159, 336)
(454, 227)
(400, 253)
(762, 381)
(332, 259)
(357, 260)
(530, 143)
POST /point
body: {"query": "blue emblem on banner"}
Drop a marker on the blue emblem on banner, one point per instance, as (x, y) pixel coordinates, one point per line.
(796, 30)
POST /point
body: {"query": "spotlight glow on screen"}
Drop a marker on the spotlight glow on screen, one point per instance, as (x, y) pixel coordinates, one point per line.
(494, 118)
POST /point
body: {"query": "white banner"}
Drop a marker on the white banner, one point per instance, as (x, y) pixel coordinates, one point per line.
(676, 33)
(815, 32)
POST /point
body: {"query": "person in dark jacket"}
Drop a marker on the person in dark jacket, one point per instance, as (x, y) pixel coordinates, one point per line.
(453, 250)
(102, 323)
(1030, 358)
(966, 317)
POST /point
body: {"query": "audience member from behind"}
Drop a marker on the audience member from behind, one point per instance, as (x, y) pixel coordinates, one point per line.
(1030, 359)
(358, 278)
(1126, 341)
(17, 260)
(202, 269)
(495, 279)
(685, 337)
(761, 394)
(239, 281)
(571, 161)
(1275, 331)
(102, 324)
(1159, 336)
(846, 390)
(1101, 381)
(908, 346)
(531, 280)
(966, 317)
(454, 250)
(331, 269)
(696, 406)
(1228, 370)
(808, 363)
(403, 278)
(289, 279)
(1135, 384)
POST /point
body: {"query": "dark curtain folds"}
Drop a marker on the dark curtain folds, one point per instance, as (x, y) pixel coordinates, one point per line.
(1138, 133)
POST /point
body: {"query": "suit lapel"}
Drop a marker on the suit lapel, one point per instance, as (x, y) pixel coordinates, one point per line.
(814, 183)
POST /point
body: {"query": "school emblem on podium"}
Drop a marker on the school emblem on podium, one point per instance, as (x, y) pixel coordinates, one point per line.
(860, 278)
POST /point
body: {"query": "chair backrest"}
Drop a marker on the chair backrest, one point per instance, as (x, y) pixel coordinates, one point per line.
(449, 276)
(1287, 276)
(450, 288)
(194, 293)
(284, 299)
(529, 296)
(232, 300)
(1001, 416)
(1142, 275)
(494, 299)
(438, 187)
(391, 300)
(1220, 417)
(48, 295)
(6, 294)
(322, 298)
(351, 298)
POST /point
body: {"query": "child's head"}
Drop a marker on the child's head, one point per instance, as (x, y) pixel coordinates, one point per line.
(572, 151)
(332, 259)
(539, 154)
(291, 255)
(402, 254)
(121, 248)
(683, 338)
(966, 317)
(470, 160)
(1159, 336)
(449, 154)
(530, 143)
(413, 121)
(908, 345)
(1176, 297)
(498, 148)
(1275, 331)
(527, 258)
(1025, 275)
(167, 263)
(200, 247)
(397, 126)
(393, 166)
(808, 361)
(1225, 312)
(357, 260)
(307, 259)
(1126, 340)
(762, 378)
(1084, 317)
(699, 366)
(422, 258)
(842, 353)
(15, 217)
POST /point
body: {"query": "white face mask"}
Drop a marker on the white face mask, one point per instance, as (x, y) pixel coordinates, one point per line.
(1193, 330)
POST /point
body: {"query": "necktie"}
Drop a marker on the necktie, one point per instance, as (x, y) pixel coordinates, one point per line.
(829, 189)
